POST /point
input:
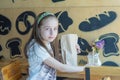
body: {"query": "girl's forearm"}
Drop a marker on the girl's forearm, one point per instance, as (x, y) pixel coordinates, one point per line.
(69, 68)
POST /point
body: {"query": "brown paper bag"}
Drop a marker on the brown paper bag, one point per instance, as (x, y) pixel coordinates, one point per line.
(68, 49)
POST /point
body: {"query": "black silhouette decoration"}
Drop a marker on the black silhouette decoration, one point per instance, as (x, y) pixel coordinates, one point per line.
(13, 1)
(64, 21)
(85, 47)
(98, 22)
(23, 18)
(109, 63)
(0, 48)
(14, 46)
(5, 25)
(1, 56)
(52, 1)
(110, 47)
(57, 0)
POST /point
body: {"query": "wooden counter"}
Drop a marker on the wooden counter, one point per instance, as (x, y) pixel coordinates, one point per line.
(97, 73)
(77, 75)
(94, 73)
(90, 73)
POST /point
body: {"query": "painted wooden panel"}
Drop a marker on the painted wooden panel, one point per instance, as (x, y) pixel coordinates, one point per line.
(75, 17)
(56, 3)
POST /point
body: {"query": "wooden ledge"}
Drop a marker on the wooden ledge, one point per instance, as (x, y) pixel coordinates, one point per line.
(71, 75)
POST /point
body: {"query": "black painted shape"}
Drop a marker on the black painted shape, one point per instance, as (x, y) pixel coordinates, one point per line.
(14, 46)
(5, 25)
(97, 22)
(24, 19)
(57, 0)
(0, 48)
(64, 20)
(110, 47)
(1, 56)
(13, 1)
(84, 45)
(109, 63)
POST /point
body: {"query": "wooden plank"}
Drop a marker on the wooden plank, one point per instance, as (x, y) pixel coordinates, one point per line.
(77, 75)
(97, 73)
(105, 70)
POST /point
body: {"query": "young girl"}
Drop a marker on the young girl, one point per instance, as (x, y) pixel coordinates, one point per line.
(42, 64)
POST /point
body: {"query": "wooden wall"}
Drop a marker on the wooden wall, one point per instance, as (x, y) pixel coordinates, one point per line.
(74, 15)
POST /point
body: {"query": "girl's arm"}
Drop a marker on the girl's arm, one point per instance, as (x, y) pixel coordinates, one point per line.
(62, 67)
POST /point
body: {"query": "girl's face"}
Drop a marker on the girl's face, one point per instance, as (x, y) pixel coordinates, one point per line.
(49, 29)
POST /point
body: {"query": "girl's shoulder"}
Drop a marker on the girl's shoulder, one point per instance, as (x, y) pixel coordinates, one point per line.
(32, 43)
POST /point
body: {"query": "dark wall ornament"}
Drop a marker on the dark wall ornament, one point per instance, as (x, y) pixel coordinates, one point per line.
(98, 22)
(109, 63)
(13, 1)
(0, 48)
(23, 18)
(5, 25)
(1, 56)
(110, 47)
(57, 0)
(64, 21)
(85, 47)
(14, 45)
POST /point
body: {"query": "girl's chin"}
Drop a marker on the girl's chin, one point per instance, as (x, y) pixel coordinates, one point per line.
(51, 40)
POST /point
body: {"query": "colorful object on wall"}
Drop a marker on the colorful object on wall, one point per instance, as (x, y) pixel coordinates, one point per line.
(98, 22)
(5, 25)
(110, 46)
(64, 21)
(14, 45)
(24, 18)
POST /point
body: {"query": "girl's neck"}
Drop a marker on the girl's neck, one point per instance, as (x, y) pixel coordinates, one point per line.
(46, 43)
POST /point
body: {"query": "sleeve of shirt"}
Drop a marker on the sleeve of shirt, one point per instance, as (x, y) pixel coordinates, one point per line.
(41, 52)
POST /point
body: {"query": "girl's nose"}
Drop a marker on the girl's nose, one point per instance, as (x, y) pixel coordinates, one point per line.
(51, 31)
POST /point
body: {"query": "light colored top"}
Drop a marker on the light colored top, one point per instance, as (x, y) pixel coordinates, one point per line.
(37, 69)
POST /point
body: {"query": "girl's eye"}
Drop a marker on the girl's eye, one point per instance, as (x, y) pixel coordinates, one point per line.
(46, 28)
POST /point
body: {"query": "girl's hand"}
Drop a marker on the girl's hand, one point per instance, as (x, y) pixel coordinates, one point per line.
(78, 48)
